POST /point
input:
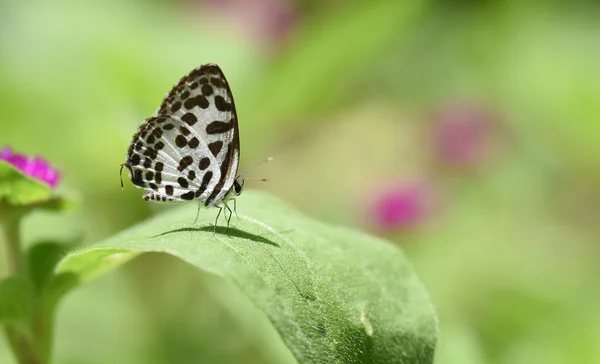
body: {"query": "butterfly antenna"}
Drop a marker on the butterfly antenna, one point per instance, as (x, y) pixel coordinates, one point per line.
(256, 165)
(121, 175)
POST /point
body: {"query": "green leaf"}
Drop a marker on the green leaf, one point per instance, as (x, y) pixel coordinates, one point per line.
(58, 203)
(16, 299)
(42, 258)
(20, 190)
(333, 294)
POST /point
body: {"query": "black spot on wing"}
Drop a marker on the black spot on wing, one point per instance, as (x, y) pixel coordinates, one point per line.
(198, 100)
(151, 153)
(134, 160)
(217, 82)
(136, 178)
(185, 162)
(204, 163)
(194, 143)
(188, 195)
(183, 182)
(218, 127)
(221, 104)
(184, 131)
(158, 132)
(180, 141)
(207, 90)
(225, 166)
(204, 185)
(215, 147)
(176, 106)
(189, 118)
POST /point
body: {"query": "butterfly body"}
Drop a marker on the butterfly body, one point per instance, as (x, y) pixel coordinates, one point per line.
(190, 149)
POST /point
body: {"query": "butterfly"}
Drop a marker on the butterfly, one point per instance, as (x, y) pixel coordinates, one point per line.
(190, 149)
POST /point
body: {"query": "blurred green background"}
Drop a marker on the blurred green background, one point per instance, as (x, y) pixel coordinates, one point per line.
(467, 132)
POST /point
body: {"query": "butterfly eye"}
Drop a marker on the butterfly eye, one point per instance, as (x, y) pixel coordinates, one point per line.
(237, 187)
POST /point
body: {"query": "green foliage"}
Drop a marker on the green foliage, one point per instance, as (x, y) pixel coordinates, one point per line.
(16, 297)
(20, 190)
(511, 256)
(334, 295)
(328, 58)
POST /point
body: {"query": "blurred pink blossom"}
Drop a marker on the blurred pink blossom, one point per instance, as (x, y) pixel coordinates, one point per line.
(269, 20)
(399, 206)
(462, 135)
(36, 167)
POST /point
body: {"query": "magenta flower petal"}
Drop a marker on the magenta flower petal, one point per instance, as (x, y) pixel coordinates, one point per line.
(51, 177)
(399, 209)
(5, 153)
(266, 20)
(19, 161)
(462, 135)
(399, 206)
(37, 167)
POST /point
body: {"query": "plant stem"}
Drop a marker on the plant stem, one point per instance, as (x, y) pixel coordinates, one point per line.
(25, 338)
(20, 343)
(10, 223)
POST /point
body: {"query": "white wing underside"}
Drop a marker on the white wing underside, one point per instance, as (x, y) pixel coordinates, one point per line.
(190, 148)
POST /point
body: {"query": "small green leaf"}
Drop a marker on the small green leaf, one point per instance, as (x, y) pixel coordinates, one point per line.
(333, 294)
(42, 260)
(17, 189)
(58, 203)
(16, 299)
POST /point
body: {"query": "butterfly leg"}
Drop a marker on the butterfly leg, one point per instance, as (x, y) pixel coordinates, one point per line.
(217, 219)
(197, 213)
(235, 209)
(230, 214)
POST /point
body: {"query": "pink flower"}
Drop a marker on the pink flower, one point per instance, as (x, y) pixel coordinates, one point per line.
(399, 206)
(36, 167)
(462, 135)
(267, 20)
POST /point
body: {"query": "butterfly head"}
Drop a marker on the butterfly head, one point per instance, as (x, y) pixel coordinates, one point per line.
(237, 187)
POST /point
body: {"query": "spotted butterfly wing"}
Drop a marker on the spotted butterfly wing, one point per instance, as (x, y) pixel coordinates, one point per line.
(190, 148)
